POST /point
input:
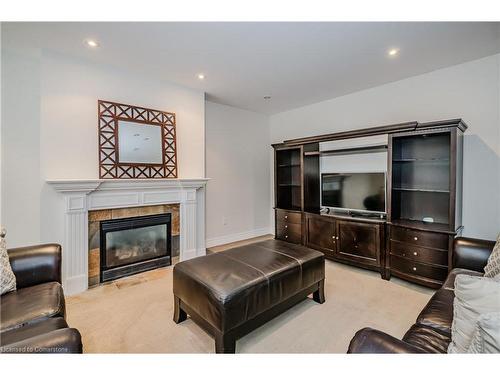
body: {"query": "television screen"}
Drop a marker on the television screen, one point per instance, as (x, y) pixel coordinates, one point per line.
(354, 191)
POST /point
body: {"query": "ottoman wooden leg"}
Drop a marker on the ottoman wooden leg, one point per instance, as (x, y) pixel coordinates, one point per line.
(224, 343)
(179, 314)
(319, 295)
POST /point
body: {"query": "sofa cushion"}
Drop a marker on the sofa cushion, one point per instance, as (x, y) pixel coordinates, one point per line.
(7, 277)
(30, 330)
(427, 339)
(450, 280)
(473, 296)
(492, 268)
(31, 304)
(486, 339)
(438, 313)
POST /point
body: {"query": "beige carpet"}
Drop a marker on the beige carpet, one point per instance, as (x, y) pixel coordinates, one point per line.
(134, 315)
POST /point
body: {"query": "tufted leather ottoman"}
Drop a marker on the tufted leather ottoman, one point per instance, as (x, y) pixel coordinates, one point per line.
(232, 292)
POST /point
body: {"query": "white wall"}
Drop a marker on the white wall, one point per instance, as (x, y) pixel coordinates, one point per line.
(470, 91)
(49, 131)
(237, 155)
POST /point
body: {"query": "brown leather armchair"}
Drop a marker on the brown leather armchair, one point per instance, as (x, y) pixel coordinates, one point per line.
(432, 331)
(32, 318)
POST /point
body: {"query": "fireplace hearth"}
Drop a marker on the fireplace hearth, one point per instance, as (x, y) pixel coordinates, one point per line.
(134, 244)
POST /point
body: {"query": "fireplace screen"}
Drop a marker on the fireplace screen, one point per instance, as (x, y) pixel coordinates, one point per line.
(134, 245)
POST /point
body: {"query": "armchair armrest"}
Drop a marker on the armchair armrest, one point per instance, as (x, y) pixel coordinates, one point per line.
(62, 341)
(369, 340)
(471, 253)
(36, 264)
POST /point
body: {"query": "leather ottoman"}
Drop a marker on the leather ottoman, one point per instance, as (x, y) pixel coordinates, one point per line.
(232, 292)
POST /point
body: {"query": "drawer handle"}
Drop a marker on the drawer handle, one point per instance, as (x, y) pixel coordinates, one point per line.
(415, 238)
(414, 268)
(415, 253)
(286, 217)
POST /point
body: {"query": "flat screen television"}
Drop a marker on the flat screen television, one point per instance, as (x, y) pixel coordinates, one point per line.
(361, 192)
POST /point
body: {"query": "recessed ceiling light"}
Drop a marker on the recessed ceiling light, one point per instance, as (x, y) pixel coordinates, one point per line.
(201, 76)
(393, 52)
(91, 43)
(267, 97)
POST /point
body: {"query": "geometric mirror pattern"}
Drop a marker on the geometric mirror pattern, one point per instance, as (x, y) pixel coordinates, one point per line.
(109, 166)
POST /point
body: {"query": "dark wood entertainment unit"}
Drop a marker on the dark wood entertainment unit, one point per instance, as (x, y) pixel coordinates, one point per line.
(424, 179)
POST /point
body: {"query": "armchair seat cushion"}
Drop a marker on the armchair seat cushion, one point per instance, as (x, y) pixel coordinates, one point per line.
(28, 305)
(31, 330)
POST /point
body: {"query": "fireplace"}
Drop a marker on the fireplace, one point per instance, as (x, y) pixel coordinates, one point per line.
(134, 244)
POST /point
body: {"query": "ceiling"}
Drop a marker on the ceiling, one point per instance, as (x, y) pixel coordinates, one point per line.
(295, 63)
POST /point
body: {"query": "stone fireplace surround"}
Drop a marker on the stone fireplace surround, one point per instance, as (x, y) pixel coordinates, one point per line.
(82, 196)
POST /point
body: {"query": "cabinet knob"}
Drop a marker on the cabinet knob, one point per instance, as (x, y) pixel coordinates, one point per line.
(286, 217)
(333, 237)
(414, 268)
(286, 236)
(415, 238)
(337, 237)
(415, 253)
(286, 226)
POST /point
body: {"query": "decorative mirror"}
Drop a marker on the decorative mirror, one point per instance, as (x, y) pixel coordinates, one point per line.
(136, 142)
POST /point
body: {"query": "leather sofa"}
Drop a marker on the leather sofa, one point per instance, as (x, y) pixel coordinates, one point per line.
(432, 331)
(32, 318)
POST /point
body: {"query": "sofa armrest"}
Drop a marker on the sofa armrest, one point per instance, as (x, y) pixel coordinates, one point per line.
(369, 340)
(471, 253)
(36, 264)
(61, 341)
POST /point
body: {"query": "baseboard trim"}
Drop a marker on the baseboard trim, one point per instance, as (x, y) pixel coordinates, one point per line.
(75, 284)
(222, 240)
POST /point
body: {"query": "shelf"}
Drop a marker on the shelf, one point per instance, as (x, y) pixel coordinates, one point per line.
(416, 224)
(436, 160)
(348, 151)
(421, 190)
(289, 208)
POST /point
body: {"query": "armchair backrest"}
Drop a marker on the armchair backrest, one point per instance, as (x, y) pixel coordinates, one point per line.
(471, 253)
(37, 264)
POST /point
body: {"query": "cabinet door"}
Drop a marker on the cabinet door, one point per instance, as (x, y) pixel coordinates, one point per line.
(359, 242)
(321, 234)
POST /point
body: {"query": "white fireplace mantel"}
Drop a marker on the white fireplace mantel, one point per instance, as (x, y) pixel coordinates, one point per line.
(82, 196)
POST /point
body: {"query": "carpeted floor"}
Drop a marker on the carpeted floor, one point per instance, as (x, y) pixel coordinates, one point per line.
(134, 315)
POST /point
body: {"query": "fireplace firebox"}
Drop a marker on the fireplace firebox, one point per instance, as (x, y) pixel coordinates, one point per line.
(134, 244)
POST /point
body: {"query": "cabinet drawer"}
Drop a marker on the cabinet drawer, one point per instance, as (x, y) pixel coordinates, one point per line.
(412, 268)
(289, 232)
(290, 217)
(419, 254)
(420, 238)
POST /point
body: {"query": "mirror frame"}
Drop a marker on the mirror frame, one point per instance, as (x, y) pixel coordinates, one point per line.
(109, 114)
